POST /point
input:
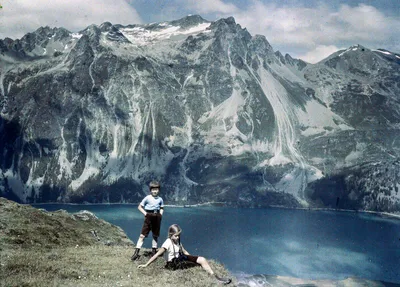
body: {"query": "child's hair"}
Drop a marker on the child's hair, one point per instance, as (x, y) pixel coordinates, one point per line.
(174, 229)
(154, 184)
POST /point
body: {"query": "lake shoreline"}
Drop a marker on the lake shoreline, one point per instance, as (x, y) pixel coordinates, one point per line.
(224, 204)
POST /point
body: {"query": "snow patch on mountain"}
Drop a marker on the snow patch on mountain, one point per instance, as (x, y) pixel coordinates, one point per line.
(76, 35)
(383, 52)
(352, 48)
(141, 36)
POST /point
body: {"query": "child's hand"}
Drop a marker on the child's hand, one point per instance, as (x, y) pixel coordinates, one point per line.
(142, 266)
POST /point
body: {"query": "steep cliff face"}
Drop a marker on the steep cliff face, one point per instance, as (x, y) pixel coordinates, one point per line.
(211, 111)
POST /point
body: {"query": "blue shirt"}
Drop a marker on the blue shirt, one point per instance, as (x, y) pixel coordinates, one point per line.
(152, 203)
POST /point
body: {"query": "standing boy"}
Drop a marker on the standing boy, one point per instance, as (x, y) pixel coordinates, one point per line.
(152, 207)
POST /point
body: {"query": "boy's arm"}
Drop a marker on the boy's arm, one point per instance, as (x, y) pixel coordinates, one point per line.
(142, 205)
(154, 257)
(141, 209)
(162, 207)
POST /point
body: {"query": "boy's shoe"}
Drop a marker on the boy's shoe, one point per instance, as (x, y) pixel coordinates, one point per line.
(153, 251)
(135, 255)
(222, 280)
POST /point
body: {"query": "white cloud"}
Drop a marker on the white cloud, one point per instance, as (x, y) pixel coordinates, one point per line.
(316, 30)
(17, 17)
(362, 17)
(211, 6)
(320, 52)
(317, 26)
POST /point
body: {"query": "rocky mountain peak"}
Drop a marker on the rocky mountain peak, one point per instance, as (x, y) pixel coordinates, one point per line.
(47, 32)
(113, 33)
(93, 31)
(206, 108)
(359, 59)
(105, 27)
(41, 43)
(189, 21)
(225, 25)
(260, 45)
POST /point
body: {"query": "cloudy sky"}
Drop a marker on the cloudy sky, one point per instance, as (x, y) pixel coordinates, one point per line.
(306, 29)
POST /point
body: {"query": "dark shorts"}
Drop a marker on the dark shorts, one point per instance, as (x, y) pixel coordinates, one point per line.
(183, 262)
(189, 258)
(152, 222)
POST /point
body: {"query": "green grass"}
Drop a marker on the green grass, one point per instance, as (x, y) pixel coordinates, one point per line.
(98, 265)
(39, 248)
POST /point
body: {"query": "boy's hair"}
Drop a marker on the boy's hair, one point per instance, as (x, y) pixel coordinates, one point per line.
(154, 184)
(174, 229)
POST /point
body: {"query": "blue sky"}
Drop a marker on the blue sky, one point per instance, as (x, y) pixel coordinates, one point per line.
(306, 29)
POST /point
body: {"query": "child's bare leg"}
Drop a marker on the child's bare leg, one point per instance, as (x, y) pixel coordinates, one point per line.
(203, 262)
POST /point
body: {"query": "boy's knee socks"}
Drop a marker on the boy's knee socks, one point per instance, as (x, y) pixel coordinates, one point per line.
(140, 242)
(154, 242)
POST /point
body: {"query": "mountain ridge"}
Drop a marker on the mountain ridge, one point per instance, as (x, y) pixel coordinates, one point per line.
(214, 113)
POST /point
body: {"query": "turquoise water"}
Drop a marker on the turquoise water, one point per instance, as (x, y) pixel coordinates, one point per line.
(300, 243)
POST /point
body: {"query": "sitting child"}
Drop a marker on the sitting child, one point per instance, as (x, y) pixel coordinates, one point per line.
(176, 254)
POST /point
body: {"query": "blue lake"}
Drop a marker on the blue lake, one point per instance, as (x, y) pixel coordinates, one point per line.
(288, 242)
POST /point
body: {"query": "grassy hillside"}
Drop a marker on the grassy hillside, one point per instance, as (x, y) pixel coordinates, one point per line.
(39, 248)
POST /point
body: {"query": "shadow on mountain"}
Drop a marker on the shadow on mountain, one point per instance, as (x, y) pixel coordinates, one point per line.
(13, 143)
(26, 176)
(232, 180)
(367, 186)
(16, 159)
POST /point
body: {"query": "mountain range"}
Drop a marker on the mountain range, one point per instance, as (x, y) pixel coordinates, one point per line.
(212, 112)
